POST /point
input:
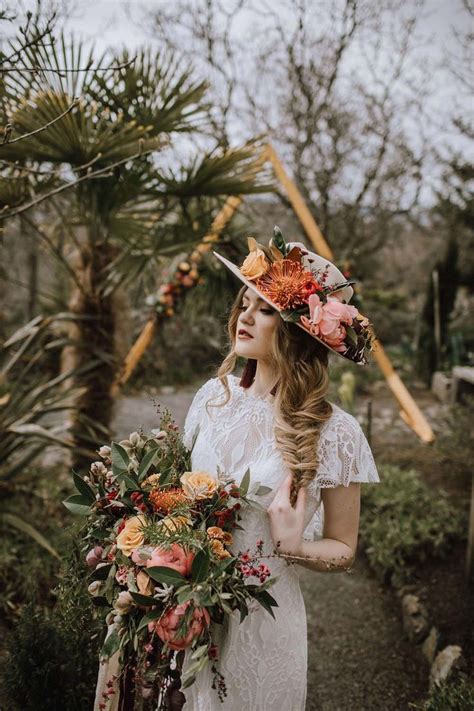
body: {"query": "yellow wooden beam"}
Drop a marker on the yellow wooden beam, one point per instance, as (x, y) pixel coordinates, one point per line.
(410, 412)
(147, 334)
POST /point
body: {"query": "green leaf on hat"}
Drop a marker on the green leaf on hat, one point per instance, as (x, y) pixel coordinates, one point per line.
(278, 241)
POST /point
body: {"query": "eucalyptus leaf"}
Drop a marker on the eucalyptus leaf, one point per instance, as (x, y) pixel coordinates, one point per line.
(77, 504)
(262, 490)
(111, 645)
(165, 575)
(200, 566)
(120, 459)
(149, 617)
(145, 600)
(83, 488)
(146, 463)
(244, 484)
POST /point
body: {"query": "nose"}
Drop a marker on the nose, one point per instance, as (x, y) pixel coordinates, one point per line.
(246, 316)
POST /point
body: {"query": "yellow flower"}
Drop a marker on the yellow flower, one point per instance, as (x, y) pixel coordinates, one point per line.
(198, 485)
(215, 532)
(255, 264)
(173, 524)
(131, 536)
(218, 549)
(152, 480)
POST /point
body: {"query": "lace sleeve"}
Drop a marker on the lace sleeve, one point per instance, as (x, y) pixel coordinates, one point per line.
(344, 454)
(196, 411)
(344, 457)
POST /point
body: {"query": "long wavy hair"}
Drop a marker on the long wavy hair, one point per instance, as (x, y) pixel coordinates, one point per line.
(300, 404)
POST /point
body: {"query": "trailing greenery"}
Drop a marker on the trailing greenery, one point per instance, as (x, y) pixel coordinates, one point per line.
(403, 523)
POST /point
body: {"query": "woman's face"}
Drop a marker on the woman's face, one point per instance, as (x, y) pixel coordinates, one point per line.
(259, 320)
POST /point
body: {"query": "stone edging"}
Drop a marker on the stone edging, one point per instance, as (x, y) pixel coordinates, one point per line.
(443, 661)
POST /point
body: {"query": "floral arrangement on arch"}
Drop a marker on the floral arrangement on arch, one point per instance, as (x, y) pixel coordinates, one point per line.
(303, 296)
(157, 543)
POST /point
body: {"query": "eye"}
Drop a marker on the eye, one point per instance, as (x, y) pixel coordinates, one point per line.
(267, 311)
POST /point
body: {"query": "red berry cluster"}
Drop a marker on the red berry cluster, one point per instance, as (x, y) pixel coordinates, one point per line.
(137, 498)
(247, 565)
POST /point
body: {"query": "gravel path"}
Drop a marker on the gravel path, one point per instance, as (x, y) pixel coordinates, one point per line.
(358, 657)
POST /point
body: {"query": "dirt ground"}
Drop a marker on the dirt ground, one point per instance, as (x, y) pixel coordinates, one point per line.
(358, 656)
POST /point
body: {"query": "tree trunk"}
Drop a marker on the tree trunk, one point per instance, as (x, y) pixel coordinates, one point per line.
(448, 274)
(92, 351)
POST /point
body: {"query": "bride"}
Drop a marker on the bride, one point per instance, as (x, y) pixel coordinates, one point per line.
(310, 454)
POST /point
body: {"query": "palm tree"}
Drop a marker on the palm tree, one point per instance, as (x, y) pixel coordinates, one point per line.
(136, 202)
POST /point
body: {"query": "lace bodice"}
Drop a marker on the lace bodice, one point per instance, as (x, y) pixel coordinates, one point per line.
(240, 435)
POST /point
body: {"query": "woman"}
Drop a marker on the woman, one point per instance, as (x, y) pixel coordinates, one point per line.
(275, 419)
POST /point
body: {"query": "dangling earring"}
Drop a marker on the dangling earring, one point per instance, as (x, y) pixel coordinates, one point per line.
(248, 376)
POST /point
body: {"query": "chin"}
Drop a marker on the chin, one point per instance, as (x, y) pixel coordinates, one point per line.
(245, 350)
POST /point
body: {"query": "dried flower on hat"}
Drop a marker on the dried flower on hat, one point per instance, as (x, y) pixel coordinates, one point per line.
(287, 284)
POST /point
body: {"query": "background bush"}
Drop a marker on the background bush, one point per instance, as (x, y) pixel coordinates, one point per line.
(403, 522)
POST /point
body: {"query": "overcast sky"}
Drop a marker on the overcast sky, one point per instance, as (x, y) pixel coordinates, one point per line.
(115, 24)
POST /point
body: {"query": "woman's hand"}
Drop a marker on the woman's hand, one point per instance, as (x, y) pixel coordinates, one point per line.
(286, 522)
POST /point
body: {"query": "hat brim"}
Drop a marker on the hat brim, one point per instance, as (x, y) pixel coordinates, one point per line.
(236, 271)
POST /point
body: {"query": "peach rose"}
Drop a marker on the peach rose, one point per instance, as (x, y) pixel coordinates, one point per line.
(131, 536)
(255, 264)
(175, 557)
(168, 625)
(198, 485)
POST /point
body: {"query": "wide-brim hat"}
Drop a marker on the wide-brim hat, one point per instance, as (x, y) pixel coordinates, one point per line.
(320, 289)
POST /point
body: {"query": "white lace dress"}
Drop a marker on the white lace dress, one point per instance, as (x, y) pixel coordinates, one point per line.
(264, 661)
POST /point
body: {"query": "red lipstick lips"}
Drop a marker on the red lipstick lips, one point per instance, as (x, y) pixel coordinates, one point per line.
(242, 333)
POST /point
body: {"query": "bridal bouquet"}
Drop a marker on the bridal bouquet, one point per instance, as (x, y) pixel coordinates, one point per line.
(156, 540)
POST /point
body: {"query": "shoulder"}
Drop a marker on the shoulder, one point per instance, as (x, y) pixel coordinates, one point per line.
(342, 425)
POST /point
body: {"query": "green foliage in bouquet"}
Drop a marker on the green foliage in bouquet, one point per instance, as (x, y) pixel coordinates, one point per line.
(156, 540)
(403, 523)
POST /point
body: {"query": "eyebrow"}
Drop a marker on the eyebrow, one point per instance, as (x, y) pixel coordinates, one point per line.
(258, 298)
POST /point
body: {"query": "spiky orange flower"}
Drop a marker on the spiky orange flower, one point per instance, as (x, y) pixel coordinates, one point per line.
(287, 284)
(167, 500)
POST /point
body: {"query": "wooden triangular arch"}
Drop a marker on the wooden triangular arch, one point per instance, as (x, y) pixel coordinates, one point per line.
(410, 412)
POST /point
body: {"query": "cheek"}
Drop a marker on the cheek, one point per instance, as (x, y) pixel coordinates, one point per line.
(266, 328)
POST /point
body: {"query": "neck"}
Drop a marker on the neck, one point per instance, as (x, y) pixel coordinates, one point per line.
(264, 378)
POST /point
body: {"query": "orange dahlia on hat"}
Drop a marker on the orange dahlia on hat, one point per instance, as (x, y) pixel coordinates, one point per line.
(309, 291)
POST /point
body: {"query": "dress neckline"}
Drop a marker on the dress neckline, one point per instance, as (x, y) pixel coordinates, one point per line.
(250, 396)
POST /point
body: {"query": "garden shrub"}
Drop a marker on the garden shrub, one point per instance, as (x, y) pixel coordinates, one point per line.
(404, 522)
(51, 657)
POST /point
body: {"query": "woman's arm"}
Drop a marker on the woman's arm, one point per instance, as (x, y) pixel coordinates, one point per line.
(336, 551)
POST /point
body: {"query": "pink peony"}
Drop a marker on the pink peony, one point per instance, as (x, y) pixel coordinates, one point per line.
(167, 626)
(175, 557)
(141, 555)
(326, 320)
(94, 556)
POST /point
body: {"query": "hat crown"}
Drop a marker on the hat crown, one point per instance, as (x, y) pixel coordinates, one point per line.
(314, 263)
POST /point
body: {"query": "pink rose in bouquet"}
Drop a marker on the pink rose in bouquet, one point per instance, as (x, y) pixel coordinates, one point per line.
(94, 557)
(167, 626)
(175, 557)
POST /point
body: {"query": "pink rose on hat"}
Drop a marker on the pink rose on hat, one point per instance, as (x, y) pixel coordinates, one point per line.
(326, 320)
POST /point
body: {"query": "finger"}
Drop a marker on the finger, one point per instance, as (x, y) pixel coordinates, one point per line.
(284, 489)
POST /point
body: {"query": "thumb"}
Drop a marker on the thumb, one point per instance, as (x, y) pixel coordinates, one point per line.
(301, 500)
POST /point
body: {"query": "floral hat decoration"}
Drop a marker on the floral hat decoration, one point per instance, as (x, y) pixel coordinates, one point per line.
(308, 290)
